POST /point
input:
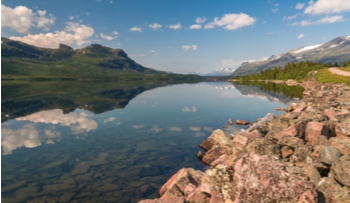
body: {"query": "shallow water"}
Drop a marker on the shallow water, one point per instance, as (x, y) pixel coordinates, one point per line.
(139, 136)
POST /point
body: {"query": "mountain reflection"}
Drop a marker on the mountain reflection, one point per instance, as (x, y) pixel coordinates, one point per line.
(19, 99)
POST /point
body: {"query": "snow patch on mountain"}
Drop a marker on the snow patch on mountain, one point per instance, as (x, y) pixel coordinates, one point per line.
(307, 48)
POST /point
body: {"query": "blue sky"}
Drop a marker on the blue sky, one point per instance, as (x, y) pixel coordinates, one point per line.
(179, 36)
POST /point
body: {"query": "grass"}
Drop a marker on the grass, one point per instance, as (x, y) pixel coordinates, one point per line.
(324, 76)
(345, 68)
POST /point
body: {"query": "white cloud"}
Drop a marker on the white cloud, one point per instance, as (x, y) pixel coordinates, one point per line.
(22, 18)
(136, 29)
(115, 33)
(79, 122)
(301, 36)
(111, 2)
(195, 26)
(188, 109)
(155, 26)
(231, 21)
(195, 128)
(274, 10)
(325, 20)
(230, 63)
(291, 17)
(110, 119)
(328, 6)
(175, 129)
(189, 47)
(106, 37)
(175, 27)
(299, 6)
(200, 20)
(137, 126)
(154, 52)
(27, 136)
(74, 33)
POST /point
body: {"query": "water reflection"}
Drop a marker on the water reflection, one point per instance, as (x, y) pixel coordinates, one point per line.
(79, 122)
(26, 136)
(72, 153)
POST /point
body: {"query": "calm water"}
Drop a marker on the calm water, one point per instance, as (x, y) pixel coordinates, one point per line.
(106, 142)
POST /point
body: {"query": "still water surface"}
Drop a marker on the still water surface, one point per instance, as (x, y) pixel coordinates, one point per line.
(54, 150)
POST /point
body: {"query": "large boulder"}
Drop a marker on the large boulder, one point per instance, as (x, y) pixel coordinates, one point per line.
(314, 130)
(328, 154)
(258, 179)
(340, 170)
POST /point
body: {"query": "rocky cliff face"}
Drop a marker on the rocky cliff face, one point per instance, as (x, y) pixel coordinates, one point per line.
(303, 155)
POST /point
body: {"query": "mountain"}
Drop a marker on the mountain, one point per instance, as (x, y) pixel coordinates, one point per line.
(336, 50)
(220, 72)
(22, 61)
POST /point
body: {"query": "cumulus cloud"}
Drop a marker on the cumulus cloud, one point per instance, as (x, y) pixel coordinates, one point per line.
(22, 18)
(231, 21)
(74, 33)
(106, 37)
(291, 17)
(188, 109)
(27, 136)
(110, 119)
(156, 129)
(195, 26)
(155, 26)
(175, 27)
(300, 36)
(136, 29)
(195, 128)
(78, 122)
(189, 47)
(299, 6)
(274, 10)
(328, 6)
(325, 20)
(137, 126)
(175, 129)
(200, 20)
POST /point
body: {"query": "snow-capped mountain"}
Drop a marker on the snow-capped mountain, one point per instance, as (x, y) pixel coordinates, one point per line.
(221, 72)
(336, 50)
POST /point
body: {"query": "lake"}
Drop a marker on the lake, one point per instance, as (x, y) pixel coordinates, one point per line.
(114, 142)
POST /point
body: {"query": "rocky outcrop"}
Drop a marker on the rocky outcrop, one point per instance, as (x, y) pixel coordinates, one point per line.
(302, 155)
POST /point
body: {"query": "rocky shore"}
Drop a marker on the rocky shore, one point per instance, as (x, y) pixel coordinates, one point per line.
(302, 155)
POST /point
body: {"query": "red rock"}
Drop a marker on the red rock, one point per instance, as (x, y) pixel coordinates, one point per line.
(291, 131)
(242, 139)
(329, 113)
(308, 197)
(343, 111)
(230, 121)
(280, 109)
(258, 179)
(145, 190)
(243, 122)
(316, 152)
(342, 144)
(286, 151)
(314, 130)
(342, 130)
(299, 108)
(170, 200)
(216, 138)
(176, 185)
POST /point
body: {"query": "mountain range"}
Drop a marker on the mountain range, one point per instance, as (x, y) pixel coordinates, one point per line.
(336, 50)
(23, 61)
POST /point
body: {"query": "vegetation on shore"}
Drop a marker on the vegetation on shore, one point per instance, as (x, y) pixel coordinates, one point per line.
(300, 72)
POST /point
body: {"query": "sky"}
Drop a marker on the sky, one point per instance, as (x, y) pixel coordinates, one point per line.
(178, 36)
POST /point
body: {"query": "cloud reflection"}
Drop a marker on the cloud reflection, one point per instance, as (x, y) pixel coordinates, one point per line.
(188, 109)
(175, 129)
(27, 136)
(79, 122)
